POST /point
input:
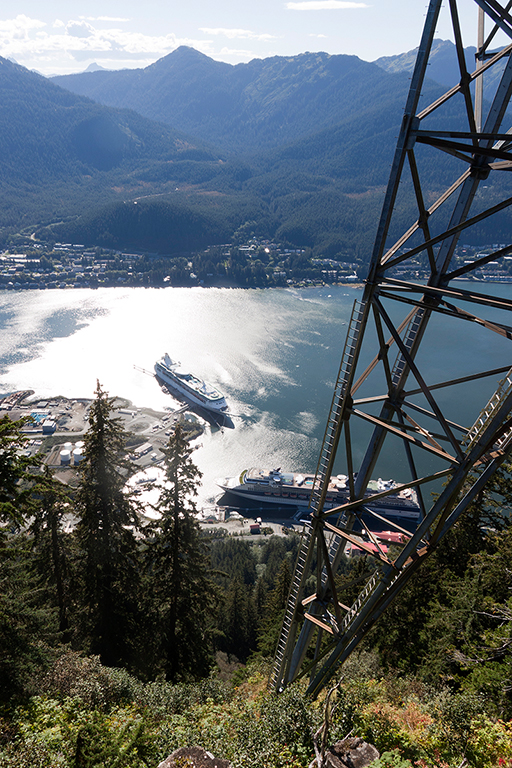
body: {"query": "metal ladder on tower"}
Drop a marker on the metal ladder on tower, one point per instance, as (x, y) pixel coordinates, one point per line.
(340, 391)
(487, 413)
(360, 601)
(288, 630)
(410, 334)
(289, 617)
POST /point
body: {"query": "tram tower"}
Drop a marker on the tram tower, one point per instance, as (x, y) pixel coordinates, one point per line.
(385, 388)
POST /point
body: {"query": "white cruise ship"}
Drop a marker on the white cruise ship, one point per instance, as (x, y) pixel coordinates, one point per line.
(187, 385)
(294, 489)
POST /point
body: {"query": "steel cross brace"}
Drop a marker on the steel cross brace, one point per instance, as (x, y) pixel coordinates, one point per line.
(433, 444)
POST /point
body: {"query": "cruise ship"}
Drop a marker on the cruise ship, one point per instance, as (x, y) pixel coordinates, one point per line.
(294, 489)
(187, 385)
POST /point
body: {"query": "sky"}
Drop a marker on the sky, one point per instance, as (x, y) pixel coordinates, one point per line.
(64, 36)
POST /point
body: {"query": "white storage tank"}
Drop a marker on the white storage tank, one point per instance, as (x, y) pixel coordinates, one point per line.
(77, 456)
(65, 457)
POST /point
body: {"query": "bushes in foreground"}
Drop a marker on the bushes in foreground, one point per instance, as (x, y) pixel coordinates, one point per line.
(87, 715)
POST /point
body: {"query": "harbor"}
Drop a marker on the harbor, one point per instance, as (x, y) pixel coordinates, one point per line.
(276, 370)
(55, 429)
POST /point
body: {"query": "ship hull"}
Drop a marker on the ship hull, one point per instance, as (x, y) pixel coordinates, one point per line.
(272, 491)
(172, 382)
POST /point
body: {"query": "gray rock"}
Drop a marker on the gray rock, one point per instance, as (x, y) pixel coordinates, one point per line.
(350, 753)
(193, 757)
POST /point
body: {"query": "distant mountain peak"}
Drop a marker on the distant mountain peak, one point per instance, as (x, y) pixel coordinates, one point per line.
(188, 50)
(183, 53)
(443, 66)
(260, 104)
(187, 57)
(94, 67)
(404, 62)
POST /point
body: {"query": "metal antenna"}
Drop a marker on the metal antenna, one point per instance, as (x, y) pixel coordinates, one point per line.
(401, 321)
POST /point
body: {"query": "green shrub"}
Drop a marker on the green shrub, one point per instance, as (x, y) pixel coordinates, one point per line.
(392, 759)
(65, 734)
(74, 675)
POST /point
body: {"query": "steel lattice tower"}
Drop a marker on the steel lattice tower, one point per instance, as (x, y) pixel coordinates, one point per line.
(398, 320)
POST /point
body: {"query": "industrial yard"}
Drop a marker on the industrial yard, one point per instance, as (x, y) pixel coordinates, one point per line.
(56, 427)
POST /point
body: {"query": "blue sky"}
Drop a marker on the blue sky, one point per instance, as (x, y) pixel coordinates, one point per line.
(62, 36)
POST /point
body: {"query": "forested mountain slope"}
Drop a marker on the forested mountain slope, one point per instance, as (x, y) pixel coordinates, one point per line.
(443, 66)
(46, 132)
(306, 143)
(314, 135)
(264, 103)
(62, 155)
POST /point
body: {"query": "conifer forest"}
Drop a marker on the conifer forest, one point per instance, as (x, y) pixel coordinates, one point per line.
(122, 639)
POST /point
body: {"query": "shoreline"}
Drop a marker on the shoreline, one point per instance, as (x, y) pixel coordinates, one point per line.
(61, 420)
(152, 429)
(297, 286)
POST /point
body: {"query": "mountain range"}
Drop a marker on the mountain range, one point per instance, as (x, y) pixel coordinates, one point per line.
(297, 148)
(248, 107)
(443, 66)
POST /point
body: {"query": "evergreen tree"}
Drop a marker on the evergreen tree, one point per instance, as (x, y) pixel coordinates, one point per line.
(478, 625)
(274, 551)
(108, 551)
(23, 626)
(439, 611)
(259, 599)
(274, 610)
(15, 492)
(233, 558)
(237, 621)
(51, 545)
(183, 592)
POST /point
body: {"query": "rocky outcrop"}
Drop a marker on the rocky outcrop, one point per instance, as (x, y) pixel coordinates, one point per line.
(350, 753)
(193, 757)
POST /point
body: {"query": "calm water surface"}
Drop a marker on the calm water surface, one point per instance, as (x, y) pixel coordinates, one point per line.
(274, 353)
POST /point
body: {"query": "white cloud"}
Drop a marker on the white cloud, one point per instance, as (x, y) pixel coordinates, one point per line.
(34, 45)
(104, 18)
(323, 5)
(79, 29)
(312, 34)
(19, 28)
(236, 33)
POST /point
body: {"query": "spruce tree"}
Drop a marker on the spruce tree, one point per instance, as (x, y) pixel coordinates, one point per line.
(274, 610)
(51, 546)
(108, 550)
(15, 471)
(24, 627)
(183, 592)
(237, 621)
